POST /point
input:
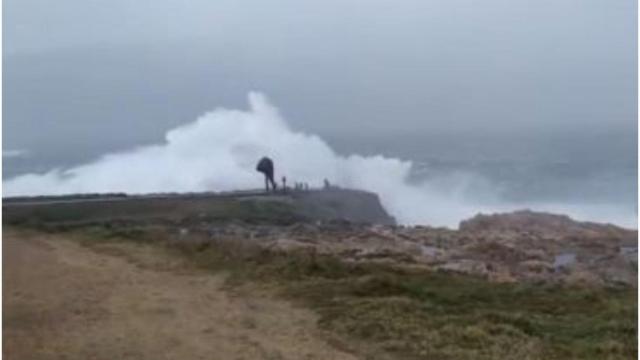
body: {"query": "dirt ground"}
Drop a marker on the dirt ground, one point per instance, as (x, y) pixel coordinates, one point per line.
(66, 301)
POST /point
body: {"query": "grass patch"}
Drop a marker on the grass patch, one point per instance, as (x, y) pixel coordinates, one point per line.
(176, 210)
(385, 311)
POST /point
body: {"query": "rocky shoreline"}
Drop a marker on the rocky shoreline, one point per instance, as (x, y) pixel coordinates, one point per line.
(518, 246)
(510, 247)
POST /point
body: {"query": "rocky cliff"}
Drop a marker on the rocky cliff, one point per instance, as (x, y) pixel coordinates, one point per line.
(351, 205)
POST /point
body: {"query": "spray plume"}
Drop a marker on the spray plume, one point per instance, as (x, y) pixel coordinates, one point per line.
(218, 152)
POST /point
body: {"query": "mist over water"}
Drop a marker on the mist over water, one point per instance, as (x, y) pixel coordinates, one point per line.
(219, 150)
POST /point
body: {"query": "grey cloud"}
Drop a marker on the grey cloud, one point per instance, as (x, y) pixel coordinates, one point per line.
(99, 75)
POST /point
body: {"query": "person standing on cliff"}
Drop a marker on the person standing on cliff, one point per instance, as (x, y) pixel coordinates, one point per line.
(265, 166)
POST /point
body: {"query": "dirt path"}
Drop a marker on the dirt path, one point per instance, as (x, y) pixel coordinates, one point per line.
(65, 301)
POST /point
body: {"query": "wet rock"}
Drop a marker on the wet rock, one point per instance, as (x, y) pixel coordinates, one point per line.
(630, 253)
(564, 260)
(430, 251)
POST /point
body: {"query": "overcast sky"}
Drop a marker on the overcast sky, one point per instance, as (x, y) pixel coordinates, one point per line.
(95, 75)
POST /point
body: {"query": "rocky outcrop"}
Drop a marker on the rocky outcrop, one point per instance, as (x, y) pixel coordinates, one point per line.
(352, 225)
(545, 225)
(350, 205)
(533, 250)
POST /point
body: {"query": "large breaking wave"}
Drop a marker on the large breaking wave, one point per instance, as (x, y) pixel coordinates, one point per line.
(218, 152)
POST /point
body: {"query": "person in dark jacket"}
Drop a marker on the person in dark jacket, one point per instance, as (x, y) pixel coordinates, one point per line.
(265, 166)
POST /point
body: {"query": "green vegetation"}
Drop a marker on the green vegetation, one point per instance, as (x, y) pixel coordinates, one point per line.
(168, 210)
(381, 311)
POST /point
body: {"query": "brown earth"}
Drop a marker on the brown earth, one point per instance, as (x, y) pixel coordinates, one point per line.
(66, 301)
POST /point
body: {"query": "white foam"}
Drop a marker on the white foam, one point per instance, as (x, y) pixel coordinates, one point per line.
(219, 151)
